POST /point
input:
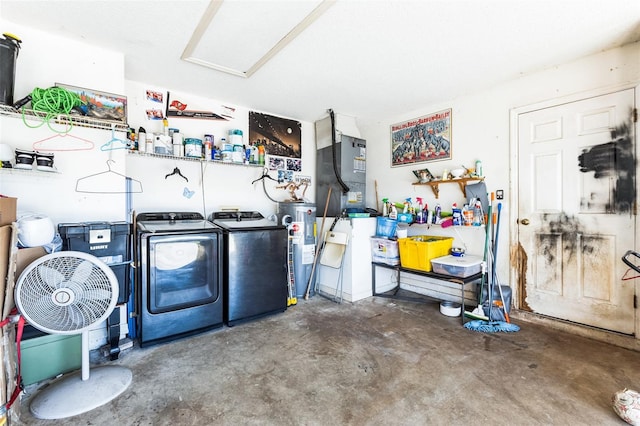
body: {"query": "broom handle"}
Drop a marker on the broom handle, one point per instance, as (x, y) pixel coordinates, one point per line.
(495, 261)
(315, 257)
(485, 255)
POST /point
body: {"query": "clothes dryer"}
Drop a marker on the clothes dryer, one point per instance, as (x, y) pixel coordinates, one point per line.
(255, 265)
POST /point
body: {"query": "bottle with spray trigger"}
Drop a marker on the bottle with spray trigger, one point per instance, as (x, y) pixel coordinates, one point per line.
(407, 205)
(385, 207)
(393, 213)
(420, 211)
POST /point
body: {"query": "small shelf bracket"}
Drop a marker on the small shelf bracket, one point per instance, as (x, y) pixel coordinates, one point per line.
(462, 183)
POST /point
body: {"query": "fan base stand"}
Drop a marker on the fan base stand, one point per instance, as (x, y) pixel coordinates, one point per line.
(70, 395)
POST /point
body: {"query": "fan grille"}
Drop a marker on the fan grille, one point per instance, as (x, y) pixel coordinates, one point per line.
(66, 293)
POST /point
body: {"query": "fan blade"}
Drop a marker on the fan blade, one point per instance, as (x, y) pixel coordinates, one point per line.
(98, 295)
(76, 318)
(82, 272)
(50, 276)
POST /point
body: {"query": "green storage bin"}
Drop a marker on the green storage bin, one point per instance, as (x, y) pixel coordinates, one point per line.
(47, 356)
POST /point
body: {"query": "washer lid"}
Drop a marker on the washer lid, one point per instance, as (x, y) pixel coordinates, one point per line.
(247, 224)
(175, 225)
(235, 215)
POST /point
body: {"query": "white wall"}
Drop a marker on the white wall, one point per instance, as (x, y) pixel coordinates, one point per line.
(481, 130)
(45, 60)
(216, 185)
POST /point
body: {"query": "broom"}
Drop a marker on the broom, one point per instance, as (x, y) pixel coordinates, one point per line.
(489, 325)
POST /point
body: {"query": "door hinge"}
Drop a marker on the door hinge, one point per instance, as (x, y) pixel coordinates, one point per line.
(634, 208)
(635, 301)
(635, 115)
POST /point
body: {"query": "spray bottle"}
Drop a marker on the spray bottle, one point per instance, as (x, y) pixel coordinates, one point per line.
(407, 204)
(393, 213)
(385, 207)
(420, 218)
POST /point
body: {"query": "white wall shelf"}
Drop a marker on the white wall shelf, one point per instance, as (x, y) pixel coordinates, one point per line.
(152, 155)
(33, 171)
(63, 119)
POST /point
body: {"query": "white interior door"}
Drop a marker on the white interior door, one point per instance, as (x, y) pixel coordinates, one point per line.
(576, 212)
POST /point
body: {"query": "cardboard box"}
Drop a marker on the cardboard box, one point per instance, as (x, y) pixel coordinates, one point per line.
(26, 256)
(8, 206)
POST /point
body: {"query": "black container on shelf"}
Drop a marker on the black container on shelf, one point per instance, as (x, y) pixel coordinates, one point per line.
(9, 48)
(108, 241)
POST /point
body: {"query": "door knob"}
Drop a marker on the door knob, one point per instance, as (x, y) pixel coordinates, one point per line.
(524, 222)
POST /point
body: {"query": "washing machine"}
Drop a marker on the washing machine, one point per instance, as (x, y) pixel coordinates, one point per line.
(178, 276)
(255, 265)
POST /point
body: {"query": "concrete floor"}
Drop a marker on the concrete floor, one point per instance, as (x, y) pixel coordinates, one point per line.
(375, 362)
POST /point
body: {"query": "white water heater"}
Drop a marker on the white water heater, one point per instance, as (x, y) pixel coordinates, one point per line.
(300, 220)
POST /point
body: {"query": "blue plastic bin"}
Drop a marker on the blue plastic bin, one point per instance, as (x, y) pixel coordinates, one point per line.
(386, 227)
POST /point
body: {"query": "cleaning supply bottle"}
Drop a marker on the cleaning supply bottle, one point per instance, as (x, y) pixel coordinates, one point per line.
(407, 204)
(165, 126)
(420, 218)
(477, 214)
(393, 214)
(385, 207)
(457, 215)
(437, 214)
(478, 168)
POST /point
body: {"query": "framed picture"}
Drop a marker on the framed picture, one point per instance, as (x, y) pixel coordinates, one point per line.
(100, 105)
(422, 139)
(280, 136)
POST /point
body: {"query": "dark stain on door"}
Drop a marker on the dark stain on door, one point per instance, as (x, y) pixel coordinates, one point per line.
(614, 158)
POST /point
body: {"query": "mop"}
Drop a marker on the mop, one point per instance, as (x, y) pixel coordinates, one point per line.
(492, 325)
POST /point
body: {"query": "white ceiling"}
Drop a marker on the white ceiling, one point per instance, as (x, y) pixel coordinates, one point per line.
(366, 59)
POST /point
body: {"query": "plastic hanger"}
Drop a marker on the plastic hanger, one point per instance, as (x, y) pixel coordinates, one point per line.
(108, 182)
(627, 278)
(631, 265)
(114, 143)
(265, 174)
(176, 171)
(84, 145)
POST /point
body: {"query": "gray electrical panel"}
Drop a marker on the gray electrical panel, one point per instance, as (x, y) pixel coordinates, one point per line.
(350, 165)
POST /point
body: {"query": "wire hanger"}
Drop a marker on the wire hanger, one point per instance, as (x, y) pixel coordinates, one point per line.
(108, 182)
(82, 145)
(176, 171)
(114, 143)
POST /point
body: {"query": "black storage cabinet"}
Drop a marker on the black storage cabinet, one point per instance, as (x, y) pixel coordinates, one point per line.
(108, 241)
(111, 243)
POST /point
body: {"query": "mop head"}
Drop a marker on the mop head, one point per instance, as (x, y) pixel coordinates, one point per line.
(491, 326)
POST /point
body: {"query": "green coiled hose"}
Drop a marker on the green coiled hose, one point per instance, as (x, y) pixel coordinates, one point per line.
(53, 101)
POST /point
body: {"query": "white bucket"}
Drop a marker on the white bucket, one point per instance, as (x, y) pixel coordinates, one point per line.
(235, 139)
(35, 230)
(193, 147)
